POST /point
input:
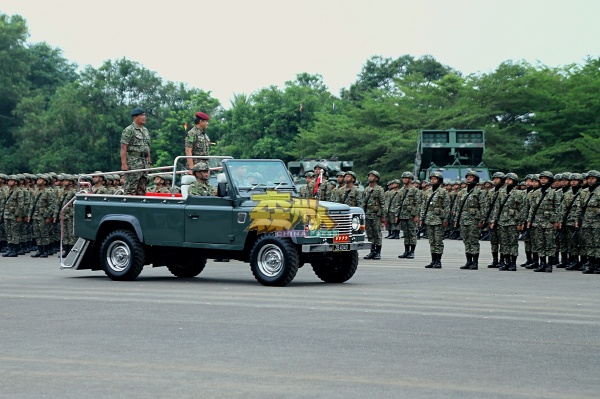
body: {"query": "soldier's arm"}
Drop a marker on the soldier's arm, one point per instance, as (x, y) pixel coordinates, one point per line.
(124, 156)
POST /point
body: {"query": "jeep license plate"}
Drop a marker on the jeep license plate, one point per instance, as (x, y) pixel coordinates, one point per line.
(341, 247)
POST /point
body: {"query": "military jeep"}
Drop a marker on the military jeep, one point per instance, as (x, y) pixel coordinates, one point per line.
(255, 216)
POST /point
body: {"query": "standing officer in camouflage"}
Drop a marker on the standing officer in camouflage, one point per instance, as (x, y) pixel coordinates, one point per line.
(12, 215)
(589, 215)
(571, 204)
(197, 142)
(40, 214)
(434, 216)
(319, 188)
(201, 186)
(544, 219)
(135, 153)
(308, 177)
(507, 217)
(351, 195)
(373, 206)
(469, 211)
(3, 190)
(407, 214)
(498, 182)
(340, 188)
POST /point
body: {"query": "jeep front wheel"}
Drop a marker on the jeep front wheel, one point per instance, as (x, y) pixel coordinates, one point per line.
(274, 261)
(338, 268)
(122, 255)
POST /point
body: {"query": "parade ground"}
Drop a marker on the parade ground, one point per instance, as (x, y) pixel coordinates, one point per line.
(395, 330)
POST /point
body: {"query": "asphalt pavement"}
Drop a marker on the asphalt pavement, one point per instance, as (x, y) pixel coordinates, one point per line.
(395, 330)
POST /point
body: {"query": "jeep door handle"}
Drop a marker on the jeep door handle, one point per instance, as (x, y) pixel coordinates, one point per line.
(193, 217)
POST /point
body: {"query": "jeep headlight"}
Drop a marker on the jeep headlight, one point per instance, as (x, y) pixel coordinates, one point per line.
(358, 223)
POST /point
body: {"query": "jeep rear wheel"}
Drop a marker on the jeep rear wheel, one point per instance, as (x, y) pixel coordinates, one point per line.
(185, 264)
(122, 255)
(274, 261)
(338, 268)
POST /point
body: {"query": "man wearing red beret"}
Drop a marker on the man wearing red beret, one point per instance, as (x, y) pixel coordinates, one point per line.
(196, 141)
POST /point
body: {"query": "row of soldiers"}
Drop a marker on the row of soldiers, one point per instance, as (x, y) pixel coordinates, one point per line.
(30, 207)
(558, 216)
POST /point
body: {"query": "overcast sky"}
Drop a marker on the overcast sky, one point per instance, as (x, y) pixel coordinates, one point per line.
(240, 46)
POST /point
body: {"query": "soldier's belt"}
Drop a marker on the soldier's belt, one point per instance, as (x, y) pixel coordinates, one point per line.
(137, 154)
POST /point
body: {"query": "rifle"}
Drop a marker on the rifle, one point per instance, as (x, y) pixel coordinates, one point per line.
(489, 212)
(537, 206)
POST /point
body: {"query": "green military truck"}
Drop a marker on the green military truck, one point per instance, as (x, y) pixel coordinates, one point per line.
(452, 153)
(261, 221)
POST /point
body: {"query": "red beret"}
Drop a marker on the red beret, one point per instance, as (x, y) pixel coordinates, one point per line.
(202, 115)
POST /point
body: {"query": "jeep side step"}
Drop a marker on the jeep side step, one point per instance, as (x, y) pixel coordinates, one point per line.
(75, 255)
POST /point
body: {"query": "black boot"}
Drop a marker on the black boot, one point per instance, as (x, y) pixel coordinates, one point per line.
(583, 262)
(534, 262)
(390, 234)
(377, 255)
(475, 264)
(411, 253)
(563, 261)
(10, 252)
(467, 265)
(20, 249)
(372, 253)
(528, 260)
(590, 266)
(3, 246)
(433, 259)
(406, 252)
(38, 253)
(438, 261)
(45, 251)
(573, 263)
(542, 265)
(504, 263)
(551, 262)
(513, 263)
(494, 264)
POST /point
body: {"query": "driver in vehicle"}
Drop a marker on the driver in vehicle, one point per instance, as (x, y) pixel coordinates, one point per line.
(200, 186)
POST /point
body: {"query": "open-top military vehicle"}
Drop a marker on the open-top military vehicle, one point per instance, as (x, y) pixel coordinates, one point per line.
(260, 221)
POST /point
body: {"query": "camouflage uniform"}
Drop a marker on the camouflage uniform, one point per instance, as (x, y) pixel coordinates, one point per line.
(373, 202)
(544, 213)
(352, 196)
(324, 192)
(531, 258)
(469, 214)
(508, 214)
(391, 203)
(39, 212)
(3, 190)
(409, 203)
(137, 139)
(387, 197)
(493, 234)
(434, 213)
(572, 203)
(13, 212)
(198, 141)
(589, 215)
(202, 189)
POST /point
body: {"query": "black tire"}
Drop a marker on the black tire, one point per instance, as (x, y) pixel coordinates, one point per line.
(274, 261)
(185, 264)
(122, 255)
(338, 268)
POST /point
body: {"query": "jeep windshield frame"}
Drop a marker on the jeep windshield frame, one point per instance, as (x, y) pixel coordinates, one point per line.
(249, 176)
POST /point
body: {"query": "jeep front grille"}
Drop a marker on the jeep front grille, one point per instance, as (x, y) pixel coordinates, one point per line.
(343, 223)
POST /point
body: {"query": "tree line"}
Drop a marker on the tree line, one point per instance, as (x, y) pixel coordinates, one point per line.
(55, 117)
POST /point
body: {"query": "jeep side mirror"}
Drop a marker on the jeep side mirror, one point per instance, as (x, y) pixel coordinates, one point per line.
(222, 189)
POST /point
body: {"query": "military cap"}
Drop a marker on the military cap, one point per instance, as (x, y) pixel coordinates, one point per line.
(351, 173)
(137, 111)
(558, 176)
(168, 177)
(320, 165)
(161, 176)
(417, 181)
(535, 177)
(547, 174)
(202, 116)
(71, 177)
(20, 176)
(436, 174)
(374, 173)
(566, 175)
(407, 174)
(397, 181)
(498, 174)
(584, 175)
(52, 175)
(3, 176)
(200, 166)
(389, 183)
(594, 173)
(575, 176)
(340, 173)
(13, 177)
(529, 177)
(512, 176)
(521, 183)
(310, 174)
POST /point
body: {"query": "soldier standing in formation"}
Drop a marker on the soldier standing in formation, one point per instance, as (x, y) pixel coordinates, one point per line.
(570, 221)
(498, 182)
(319, 188)
(308, 176)
(507, 218)
(391, 208)
(407, 214)
(434, 217)
(469, 211)
(197, 142)
(373, 206)
(588, 219)
(135, 153)
(13, 213)
(351, 196)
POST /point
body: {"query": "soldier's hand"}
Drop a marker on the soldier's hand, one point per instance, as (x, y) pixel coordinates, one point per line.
(19, 219)
(576, 225)
(48, 220)
(520, 227)
(124, 167)
(455, 224)
(480, 225)
(528, 225)
(445, 224)
(416, 219)
(421, 224)
(396, 220)
(557, 226)
(54, 220)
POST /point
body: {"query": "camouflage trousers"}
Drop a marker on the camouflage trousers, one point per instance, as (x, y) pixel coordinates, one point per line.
(435, 234)
(470, 235)
(2, 232)
(508, 236)
(373, 228)
(574, 241)
(409, 227)
(11, 228)
(591, 241)
(543, 242)
(41, 232)
(25, 232)
(391, 222)
(136, 183)
(494, 242)
(527, 242)
(68, 232)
